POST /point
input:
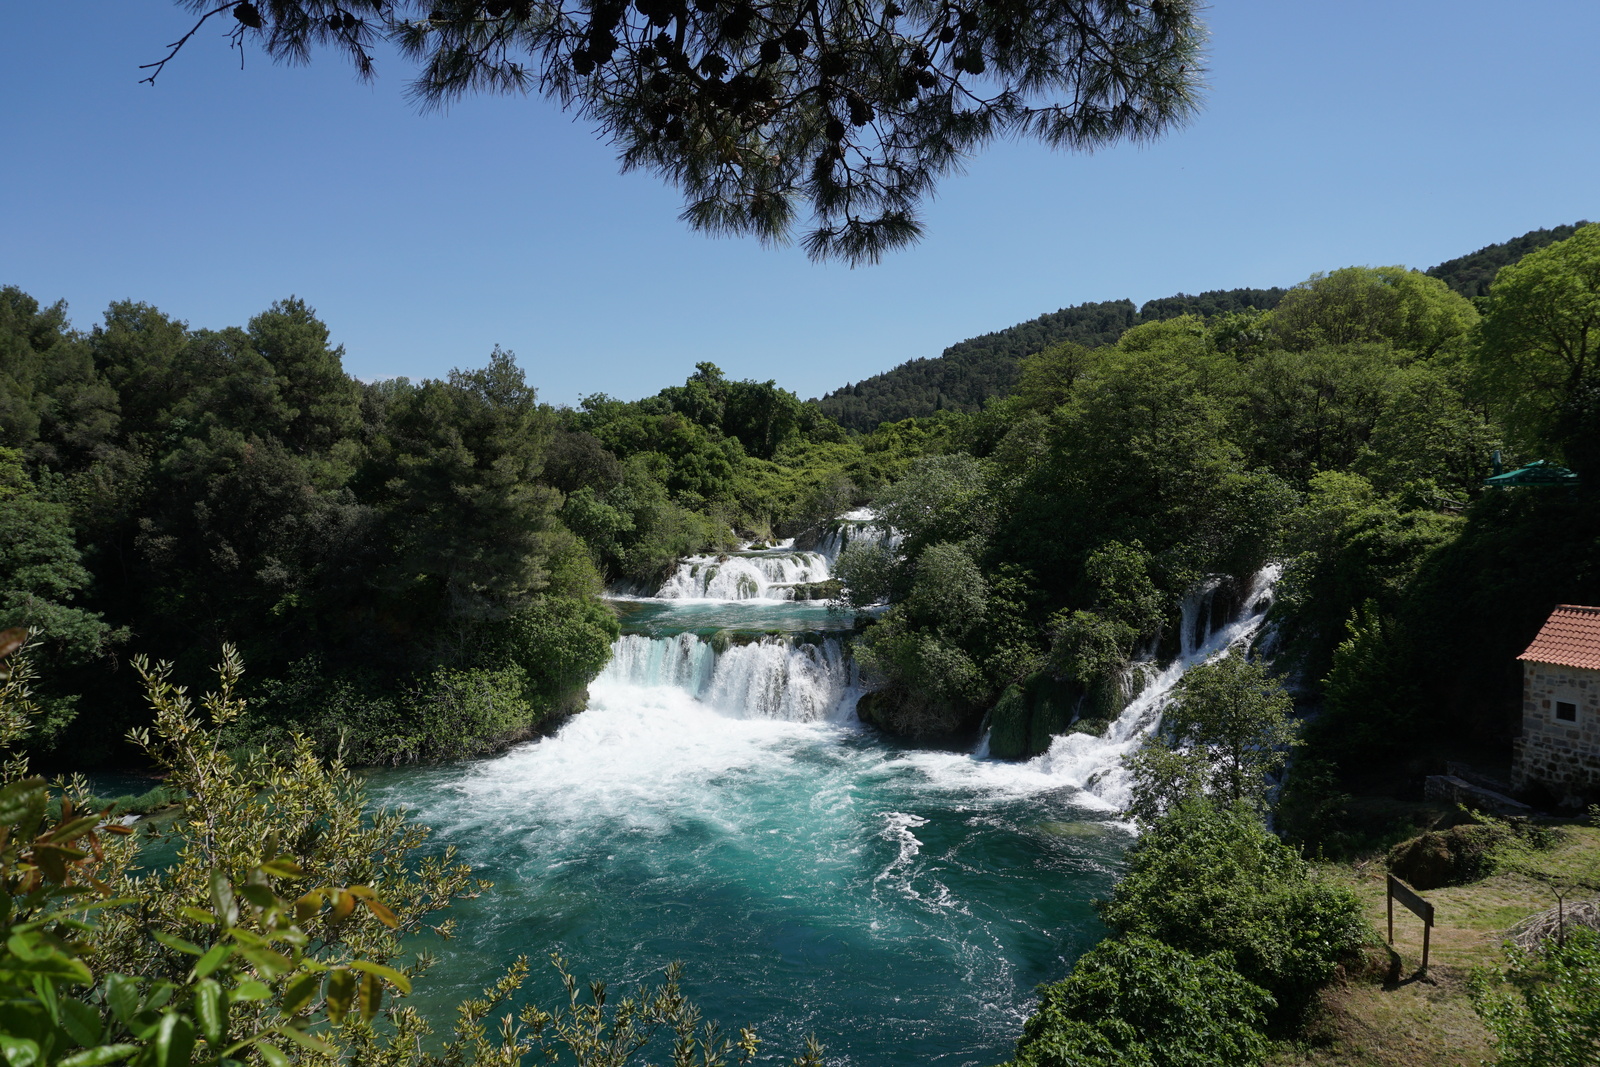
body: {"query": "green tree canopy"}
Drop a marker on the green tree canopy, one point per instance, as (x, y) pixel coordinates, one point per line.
(1353, 305)
(1231, 719)
(1208, 878)
(1541, 342)
(1134, 1002)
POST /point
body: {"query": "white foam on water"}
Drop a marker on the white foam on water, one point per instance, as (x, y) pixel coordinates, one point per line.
(855, 527)
(678, 701)
(670, 714)
(1088, 764)
(772, 678)
(762, 575)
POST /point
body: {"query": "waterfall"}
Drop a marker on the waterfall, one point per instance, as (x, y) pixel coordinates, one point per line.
(789, 678)
(854, 527)
(769, 574)
(785, 570)
(1208, 629)
(809, 678)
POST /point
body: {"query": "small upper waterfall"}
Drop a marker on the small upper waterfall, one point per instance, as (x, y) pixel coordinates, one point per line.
(748, 574)
(855, 527)
(791, 569)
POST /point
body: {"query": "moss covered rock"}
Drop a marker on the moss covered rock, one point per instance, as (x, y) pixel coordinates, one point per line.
(905, 714)
(827, 590)
(1455, 856)
(1029, 715)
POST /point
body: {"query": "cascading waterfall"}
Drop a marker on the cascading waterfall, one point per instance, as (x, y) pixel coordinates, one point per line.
(856, 527)
(769, 574)
(1094, 764)
(793, 679)
(804, 681)
(783, 571)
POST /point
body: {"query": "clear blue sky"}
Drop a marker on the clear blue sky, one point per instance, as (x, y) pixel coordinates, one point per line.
(1334, 133)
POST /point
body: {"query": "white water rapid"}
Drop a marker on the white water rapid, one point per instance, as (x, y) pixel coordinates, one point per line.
(855, 527)
(813, 680)
(749, 574)
(797, 680)
(1094, 764)
(780, 571)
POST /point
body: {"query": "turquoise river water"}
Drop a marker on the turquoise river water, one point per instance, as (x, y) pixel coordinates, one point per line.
(719, 804)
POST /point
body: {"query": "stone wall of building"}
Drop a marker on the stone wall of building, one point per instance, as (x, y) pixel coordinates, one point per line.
(1565, 756)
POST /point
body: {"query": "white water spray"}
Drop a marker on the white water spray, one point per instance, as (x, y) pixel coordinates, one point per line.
(769, 574)
(856, 527)
(770, 678)
(1094, 764)
(792, 679)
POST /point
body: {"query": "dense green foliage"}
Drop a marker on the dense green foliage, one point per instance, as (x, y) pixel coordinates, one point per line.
(1439, 597)
(1347, 433)
(1472, 275)
(970, 373)
(1225, 734)
(1115, 478)
(1222, 935)
(413, 568)
(198, 486)
(1207, 878)
(1135, 1001)
(1544, 1009)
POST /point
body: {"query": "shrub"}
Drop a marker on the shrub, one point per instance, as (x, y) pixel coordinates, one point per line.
(559, 644)
(446, 714)
(1455, 856)
(1135, 1001)
(1544, 1009)
(1207, 879)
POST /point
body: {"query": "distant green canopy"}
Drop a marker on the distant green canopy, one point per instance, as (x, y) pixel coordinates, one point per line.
(1536, 473)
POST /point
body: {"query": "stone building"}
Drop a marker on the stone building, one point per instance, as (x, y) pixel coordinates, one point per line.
(1560, 744)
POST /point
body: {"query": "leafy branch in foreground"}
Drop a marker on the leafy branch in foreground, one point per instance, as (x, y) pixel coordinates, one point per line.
(273, 935)
(756, 107)
(1544, 1009)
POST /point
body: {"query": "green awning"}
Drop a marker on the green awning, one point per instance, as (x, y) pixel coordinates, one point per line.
(1537, 473)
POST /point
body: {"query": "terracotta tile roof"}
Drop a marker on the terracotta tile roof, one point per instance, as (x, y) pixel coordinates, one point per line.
(1570, 637)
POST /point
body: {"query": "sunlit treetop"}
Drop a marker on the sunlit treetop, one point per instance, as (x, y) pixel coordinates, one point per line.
(832, 118)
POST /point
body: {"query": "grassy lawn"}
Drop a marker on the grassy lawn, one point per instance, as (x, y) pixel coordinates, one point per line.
(1385, 1014)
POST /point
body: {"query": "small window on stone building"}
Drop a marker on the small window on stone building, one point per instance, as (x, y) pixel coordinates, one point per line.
(1566, 712)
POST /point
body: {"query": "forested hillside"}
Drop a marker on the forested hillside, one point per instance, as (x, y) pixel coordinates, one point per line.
(1348, 432)
(1471, 275)
(967, 374)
